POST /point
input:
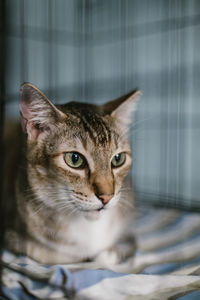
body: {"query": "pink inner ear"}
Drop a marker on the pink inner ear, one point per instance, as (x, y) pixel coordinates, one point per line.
(25, 111)
(25, 115)
(33, 132)
(27, 125)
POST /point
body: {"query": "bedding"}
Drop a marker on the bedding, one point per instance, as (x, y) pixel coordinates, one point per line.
(166, 266)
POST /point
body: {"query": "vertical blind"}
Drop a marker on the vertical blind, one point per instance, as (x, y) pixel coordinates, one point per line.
(97, 50)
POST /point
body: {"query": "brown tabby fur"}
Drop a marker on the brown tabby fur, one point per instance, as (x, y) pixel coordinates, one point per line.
(53, 212)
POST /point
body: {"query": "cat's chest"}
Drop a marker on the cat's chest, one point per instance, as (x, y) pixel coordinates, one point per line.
(92, 236)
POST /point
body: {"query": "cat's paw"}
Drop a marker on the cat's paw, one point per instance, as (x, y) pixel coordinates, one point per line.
(116, 254)
(108, 257)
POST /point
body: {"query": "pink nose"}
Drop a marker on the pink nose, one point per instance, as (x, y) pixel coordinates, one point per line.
(105, 198)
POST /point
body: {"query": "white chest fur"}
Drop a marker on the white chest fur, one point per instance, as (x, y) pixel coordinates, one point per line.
(88, 237)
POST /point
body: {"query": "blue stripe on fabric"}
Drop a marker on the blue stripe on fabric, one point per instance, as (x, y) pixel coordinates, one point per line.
(167, 268)
(191, 296)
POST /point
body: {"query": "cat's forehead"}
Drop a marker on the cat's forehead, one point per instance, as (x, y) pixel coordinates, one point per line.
(90, 135)
(87, 129)
(89, 124)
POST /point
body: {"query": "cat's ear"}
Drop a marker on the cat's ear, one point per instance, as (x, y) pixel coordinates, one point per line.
(122, 109)
(38, 114)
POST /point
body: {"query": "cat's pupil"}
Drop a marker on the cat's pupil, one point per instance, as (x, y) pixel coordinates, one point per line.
(118, 157)
(75, 157)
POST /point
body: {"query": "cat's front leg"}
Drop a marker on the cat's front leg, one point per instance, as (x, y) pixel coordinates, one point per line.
(122, 250)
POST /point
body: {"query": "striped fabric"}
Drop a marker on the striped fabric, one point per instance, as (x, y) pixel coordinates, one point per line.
(166, 266)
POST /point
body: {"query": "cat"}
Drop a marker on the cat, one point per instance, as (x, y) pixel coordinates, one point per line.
(67, 197)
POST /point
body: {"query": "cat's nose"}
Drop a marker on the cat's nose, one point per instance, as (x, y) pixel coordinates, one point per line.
(105, 198)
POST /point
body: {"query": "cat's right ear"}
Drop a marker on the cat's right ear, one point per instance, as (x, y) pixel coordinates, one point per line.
(38, 114)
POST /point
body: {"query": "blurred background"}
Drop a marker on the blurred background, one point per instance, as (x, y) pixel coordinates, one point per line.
(97, 50)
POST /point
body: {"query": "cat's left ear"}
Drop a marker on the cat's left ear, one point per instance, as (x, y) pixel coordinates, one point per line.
(38, 114)
(122, 109)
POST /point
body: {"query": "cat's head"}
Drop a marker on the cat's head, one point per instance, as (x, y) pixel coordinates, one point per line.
(78, 154)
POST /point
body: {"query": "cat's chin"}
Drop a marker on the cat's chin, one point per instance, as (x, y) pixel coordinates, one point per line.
(93, 214)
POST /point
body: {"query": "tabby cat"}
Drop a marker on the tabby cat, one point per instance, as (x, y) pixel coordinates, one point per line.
(67, 194)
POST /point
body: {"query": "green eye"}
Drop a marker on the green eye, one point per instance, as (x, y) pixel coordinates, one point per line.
(74, 160)
(118, 160)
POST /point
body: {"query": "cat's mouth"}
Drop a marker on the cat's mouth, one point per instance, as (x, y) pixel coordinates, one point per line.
(93, 210)
(93, 214)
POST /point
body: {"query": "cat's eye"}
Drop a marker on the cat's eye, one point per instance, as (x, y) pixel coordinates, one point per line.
(118, 160)
(74, 160)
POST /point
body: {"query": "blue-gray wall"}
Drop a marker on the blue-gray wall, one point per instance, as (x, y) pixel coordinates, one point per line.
(97, 50)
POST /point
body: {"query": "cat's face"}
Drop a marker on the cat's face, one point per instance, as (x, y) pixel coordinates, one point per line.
(78, 154)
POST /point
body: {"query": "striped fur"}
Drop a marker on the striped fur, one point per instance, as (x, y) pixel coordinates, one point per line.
(59, 216)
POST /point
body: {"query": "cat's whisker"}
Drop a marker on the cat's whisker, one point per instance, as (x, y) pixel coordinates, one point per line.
(67, 199)
(68, 210)
(124, 198)
(124, 208)
(57, 193)
(74, 210)
(36, 211)
(51, 189)
(62, 204)
(125, 189)
(64, 209)
(125, 202)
